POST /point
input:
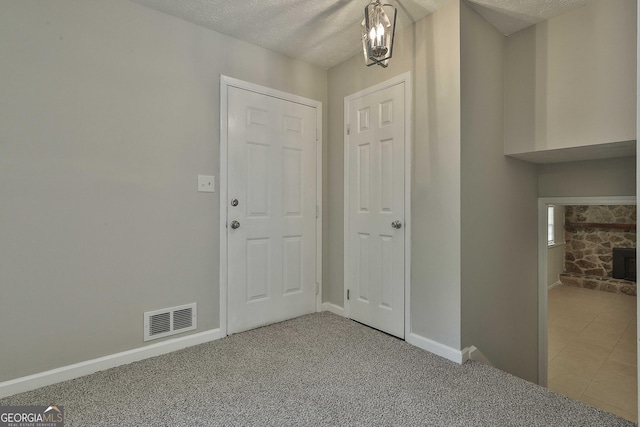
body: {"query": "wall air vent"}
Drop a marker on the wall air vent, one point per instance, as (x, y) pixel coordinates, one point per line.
(169, 321)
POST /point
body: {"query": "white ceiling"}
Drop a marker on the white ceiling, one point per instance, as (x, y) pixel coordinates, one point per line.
(327, 32)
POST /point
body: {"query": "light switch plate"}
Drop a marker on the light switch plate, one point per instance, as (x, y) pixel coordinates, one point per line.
(207, 183)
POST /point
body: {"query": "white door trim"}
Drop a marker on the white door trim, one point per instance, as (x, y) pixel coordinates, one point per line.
(225, 83)
(543, 354)
(406, 79)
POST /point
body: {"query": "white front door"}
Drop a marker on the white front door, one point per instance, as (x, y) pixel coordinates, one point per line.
(271, 209)
(375, 250)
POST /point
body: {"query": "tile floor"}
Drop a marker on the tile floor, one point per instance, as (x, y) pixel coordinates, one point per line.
(592, 348)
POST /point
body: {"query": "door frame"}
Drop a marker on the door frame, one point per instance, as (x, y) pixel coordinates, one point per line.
(408, 150)
(225, 83)
(543, 308)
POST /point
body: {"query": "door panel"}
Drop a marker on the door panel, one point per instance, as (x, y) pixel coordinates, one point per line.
(292, 182)
(257, 269)
(293, 269)
(376, 188)
(272, 172)
(258, 179)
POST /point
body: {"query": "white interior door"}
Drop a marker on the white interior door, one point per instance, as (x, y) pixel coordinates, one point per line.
(271, 209)
(376, 216)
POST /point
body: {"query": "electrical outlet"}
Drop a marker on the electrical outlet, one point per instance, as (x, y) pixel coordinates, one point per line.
(207, 183)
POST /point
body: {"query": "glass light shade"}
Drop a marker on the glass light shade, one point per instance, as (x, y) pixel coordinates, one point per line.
(378, 29)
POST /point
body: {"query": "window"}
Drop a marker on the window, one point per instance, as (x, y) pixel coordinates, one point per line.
(551, 238)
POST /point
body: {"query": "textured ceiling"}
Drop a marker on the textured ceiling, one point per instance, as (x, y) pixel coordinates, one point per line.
(509, 16)
(327, 32)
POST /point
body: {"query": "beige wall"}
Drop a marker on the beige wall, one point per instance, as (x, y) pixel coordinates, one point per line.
(606, 177)
(571, 80)
(435, 268)
(430, 51)
(108, 112)
(103, 132)
(498, 218)
(555, 263)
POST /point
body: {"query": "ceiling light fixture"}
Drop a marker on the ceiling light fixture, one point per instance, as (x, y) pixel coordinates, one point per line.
(378, 29)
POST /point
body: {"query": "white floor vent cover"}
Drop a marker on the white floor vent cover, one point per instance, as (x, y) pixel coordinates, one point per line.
(169, 321)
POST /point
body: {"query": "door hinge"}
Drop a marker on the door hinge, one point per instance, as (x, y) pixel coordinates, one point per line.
(317, 136)
(348, 294)
(317, 211)
(317, 288)
(348, 129)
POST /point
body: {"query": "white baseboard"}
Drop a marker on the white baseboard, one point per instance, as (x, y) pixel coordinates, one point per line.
(335, 309)
(31, 382)
(472, 353)
(553, 285)
(466, 353)
(435, 348)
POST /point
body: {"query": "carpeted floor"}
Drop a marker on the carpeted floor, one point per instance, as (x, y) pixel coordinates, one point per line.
(319, 369)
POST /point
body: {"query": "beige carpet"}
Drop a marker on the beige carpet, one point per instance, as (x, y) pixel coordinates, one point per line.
(319, 369)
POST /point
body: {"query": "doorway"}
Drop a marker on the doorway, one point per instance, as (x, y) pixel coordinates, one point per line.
(269, 205)
(377, 205)
(587, 343)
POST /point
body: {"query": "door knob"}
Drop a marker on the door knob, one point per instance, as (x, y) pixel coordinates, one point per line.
(235, 224)
(234, 202)
(396, 224)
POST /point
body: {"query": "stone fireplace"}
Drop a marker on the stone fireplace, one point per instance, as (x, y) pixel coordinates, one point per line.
(591, 234)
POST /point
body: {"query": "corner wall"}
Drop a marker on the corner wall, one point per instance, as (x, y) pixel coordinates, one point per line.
(435, 267)
(108, 112)
(571, 80)
(499, 213)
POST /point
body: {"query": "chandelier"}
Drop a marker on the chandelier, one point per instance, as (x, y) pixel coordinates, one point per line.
(378, 29)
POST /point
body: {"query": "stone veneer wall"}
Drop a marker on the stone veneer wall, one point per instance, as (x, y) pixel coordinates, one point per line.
(589, 250)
